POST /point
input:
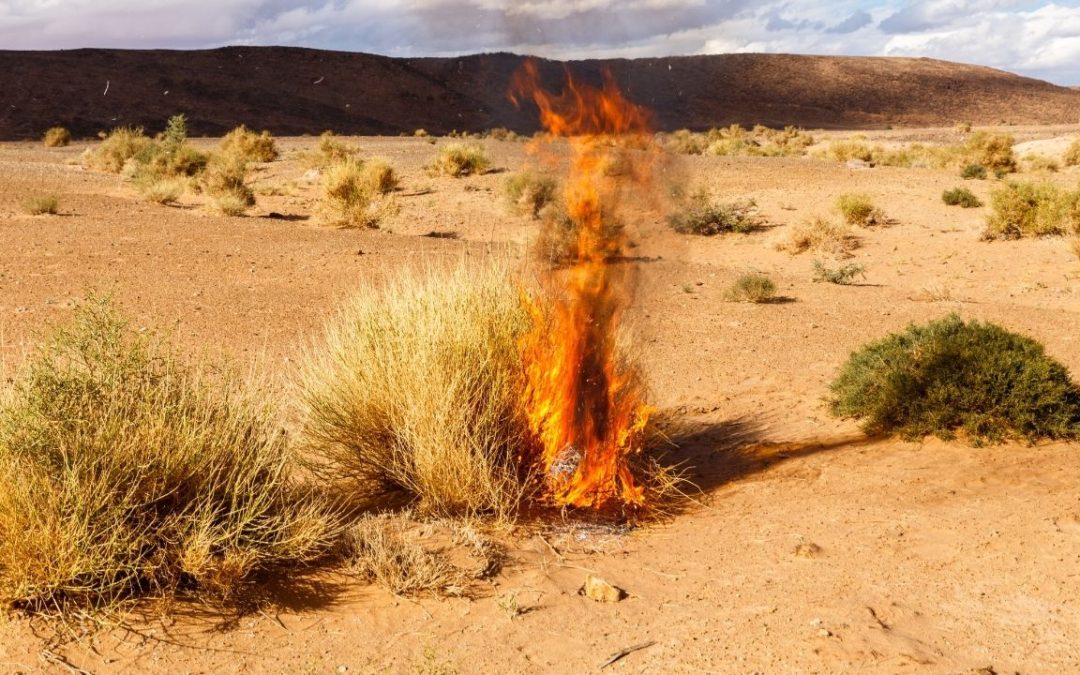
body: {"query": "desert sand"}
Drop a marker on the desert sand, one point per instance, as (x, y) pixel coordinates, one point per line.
(810, 548)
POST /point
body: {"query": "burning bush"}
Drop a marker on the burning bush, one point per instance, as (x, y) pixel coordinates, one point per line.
(949, 375)
(124, 473)
(57, 137)
(458, 160)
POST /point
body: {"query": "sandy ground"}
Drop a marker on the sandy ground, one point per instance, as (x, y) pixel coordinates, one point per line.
(812, 549)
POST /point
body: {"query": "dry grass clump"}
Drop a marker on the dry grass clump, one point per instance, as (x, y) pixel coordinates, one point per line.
(122, 144)
(1072, 154)
(756, 288)
(949, 375)
(406, 558)
(819, 234)
(42, 205)
(225, 180)
(961, 197)
(1040, 164)
(528, 192)
(859, 209)
(418, 388)
(459, 160)
(685, 142)
(843, 276)
(1024, 209)
(126, 474)
(501, 134)
(992, 150)
(163, 190)
(973, 172)
(253, 147)
(758, 142)
(351, 192)
(701, 214)
(56, 137)
(330, 150)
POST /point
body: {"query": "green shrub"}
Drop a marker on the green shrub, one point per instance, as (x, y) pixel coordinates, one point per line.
(702, 215)
(973, 172)
(458, 160)
(528, 192)
(961, 197)
(756, 288)
(57, 137)
(1031, 210)
(42, 205)
(251, 146)
(126, 474)
(843, 275)
(859, 209)
(949, 375)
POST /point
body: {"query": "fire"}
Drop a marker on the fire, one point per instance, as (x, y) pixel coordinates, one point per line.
(584, 403)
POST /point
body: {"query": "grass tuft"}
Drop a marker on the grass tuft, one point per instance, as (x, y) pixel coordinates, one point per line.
(56, 137)
(1072, 154)
(859, 209)
(42, 205)
(756, 288)
(973, 172)
(961, 197)
(249, 145)
(459, 160)
(819, 234)
(702, 215)
(843, 275)
(528, 192)
(1024, 209)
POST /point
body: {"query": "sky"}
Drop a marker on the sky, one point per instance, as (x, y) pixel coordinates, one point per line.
(1040, 39)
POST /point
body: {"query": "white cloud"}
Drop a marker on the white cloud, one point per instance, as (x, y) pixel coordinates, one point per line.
(1040, 38)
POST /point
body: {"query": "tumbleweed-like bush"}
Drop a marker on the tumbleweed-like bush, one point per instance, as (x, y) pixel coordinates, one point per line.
(56, 137)
(125, 474)
(459, 160)
(252, 146)
(949, 375)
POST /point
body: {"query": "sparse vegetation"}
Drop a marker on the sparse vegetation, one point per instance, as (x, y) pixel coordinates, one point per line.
(973, 172)
(843, 275)
(961, 197)
(418, 389)
(349, 195)
(57, 137)
(42, 205)
(380, 175)
(819, 234)
(949, 375)
(1072, 154)
(120, 145)
(756, 288)
(703, 215)
(330, 150)
(859, 209)
(1024, 209)
(1040, 164)
(528, 192)
(459, 160)
(126, 474)
(990, 150)
(225, 180)
(249, 145)
(163, 190)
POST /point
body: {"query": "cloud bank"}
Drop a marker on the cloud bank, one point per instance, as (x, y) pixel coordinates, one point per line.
(1040, 39)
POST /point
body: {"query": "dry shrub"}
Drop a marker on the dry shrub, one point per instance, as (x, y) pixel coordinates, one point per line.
(330, 150)
(973, 172)
(380, 175)
(406, 558)
(56, 137)
(992, 150)
(350, 195)
(253, 147)
(1040, 164)
(459, 160)
(845, 151)
(685, 142)
(1072, 154)
(1023, 209)
(42, 205)
(163, 190)
(225, 180)
(528, 192)
(418, 388)
(122, 144)
(819, 234)
(756, 288)
(758, 142)
(701, 214)
(961, 197)
(126, 474)
(501, 134)
(859, 209)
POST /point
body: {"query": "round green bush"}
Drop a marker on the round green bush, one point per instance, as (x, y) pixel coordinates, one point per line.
(949, 375)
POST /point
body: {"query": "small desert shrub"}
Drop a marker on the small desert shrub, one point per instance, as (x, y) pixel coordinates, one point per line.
(973, 172)
(349, 196)
(116, 149)
(700, 214)
(757, 142)
(756, 288)
(560, 233)
(843, 275)
(529, 192)
(390, 550)
(225, 180)
(819, 234)
(380, 175)
(501, 134)
(43, 205)
(685, 142)
(421, 133)
(1031, 210)
(961, 197)
(949, 375)
(251, 146)
(57, 137)
(418, 388)
(163, 190)
(844, 151)
(992, 150)
(330, 150)
(124, 473)
(1072, 154)
(1040, 163)
(859, 209)
(459, 160)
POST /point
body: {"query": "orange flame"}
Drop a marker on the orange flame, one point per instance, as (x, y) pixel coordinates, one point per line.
(585, 404)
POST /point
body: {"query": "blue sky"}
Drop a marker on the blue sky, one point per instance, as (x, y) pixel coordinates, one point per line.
(1041, 39)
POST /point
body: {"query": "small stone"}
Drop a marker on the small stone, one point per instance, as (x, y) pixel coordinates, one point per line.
(343, 668)
(599, 590)
(824, 632)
